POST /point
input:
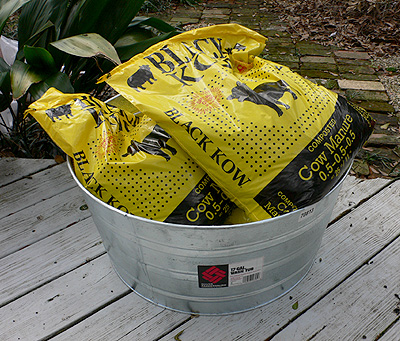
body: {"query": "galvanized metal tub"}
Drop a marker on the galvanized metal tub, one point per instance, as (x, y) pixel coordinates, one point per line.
(211, 269)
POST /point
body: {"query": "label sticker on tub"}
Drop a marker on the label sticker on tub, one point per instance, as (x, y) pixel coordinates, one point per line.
(245, 272)
(219, 276)
(307, 213)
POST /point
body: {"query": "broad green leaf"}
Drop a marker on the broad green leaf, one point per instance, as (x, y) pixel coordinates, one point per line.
(7, 8)
(22, 77)
(59, 80)
(5, 88)
(88, 45)
(153, 22)
(36, 15)
(128, 51)
(3, 65)
(40, 58)
(4, 103)
(39, 35)
(138, 37)
(109, 18)
(37, 39)
(5, 83)
(133, 36)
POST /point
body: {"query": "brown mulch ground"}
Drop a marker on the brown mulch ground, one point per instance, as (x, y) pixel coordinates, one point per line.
(373, 25)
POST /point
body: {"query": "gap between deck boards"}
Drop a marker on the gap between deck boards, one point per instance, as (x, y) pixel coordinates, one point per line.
(14, 169)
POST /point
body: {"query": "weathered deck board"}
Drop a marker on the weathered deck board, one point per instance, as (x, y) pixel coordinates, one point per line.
(356, 190)
(81, 298)
(12, 169)
(48, 259)
(130, 318)
(41, 220)
(393, 332)
(346, 246)
(59, 303)
(25, 192)
(364, 299)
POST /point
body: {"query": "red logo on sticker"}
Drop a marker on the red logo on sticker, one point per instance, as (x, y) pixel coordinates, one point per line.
(214, 274)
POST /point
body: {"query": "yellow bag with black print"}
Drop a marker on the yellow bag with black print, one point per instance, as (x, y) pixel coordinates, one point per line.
(130, 162)
(271, 139)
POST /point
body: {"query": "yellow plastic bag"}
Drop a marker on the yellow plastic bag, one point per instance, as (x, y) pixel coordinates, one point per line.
(130, 162)
(271, 139)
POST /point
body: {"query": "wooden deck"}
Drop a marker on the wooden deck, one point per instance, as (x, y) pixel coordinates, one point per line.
(57, 282)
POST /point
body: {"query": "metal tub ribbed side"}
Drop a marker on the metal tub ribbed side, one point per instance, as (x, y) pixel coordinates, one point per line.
(163, 262)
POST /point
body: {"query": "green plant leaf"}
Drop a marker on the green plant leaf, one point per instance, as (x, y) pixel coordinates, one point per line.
(392, 69)
(138, 36)
(128, 51)
(59, 80)
(5, 84)
(22, 77)
(4, 66)
(109, 18)
(88, 45)
(7, 8)
(4, 103)
(5, 80)
(40, 58)
(133, 36)
(153, 22)
(36, 17)
(34, 40)
(38, 38)
(190, 2)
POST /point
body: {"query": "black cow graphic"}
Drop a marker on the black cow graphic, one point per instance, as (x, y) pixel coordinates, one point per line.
(140, 77)
(264, 94)
(63, 110)
(152, 144)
